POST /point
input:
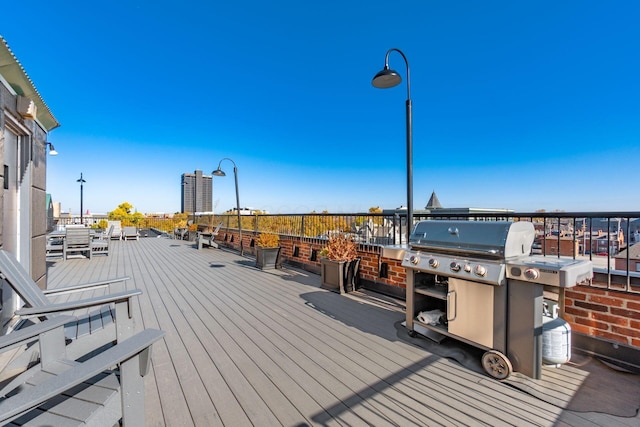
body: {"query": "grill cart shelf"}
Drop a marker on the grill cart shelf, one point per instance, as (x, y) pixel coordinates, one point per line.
(477, 282)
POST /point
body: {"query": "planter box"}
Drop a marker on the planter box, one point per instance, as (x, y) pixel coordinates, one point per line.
(339, 276)
(267, 258)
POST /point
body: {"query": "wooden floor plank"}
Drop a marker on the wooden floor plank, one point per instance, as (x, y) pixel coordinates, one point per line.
(191, 352)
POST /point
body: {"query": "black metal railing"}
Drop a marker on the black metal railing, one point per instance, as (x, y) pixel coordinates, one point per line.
(605, 238)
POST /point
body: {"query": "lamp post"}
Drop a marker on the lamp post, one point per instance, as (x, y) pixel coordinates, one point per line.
(385, 79)
(220, 172)
(81, 181)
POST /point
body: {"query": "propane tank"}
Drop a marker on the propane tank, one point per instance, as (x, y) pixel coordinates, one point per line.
(556, 341)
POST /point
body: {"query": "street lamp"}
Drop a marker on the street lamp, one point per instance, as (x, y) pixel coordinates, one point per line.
(81, 181)
(385, 79)
(220, 172)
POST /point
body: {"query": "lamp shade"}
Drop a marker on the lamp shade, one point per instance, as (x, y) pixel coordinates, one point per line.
(218, 172)
(386, 78)
(52, 150)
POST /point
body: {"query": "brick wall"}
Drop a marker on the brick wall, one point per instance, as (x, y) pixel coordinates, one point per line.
(603, 313)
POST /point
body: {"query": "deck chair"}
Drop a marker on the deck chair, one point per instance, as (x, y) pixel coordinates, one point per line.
(111, 319)
(208, 239)
(180, 233)
(77, 240)
(101, 245)
(117, 230)
(55, 245)
(130, 233)
(106, 389)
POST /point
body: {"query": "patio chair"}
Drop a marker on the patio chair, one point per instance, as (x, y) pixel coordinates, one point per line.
(76, 239)
(61, 391)
(180, 233)
(130, 233)
(117, 230)
(55, 245)
(208, 239)
(101, 245)
(111, 319)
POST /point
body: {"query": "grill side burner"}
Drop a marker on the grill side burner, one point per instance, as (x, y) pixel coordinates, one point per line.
(481, 277)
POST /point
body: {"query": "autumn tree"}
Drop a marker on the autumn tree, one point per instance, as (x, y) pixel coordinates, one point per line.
(123, 214)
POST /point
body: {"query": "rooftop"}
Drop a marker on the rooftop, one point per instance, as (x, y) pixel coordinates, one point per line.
(250, 347)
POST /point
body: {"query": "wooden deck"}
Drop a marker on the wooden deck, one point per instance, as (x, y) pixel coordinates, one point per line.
(246, 347)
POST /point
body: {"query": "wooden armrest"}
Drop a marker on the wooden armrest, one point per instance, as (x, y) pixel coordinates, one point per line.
(85, 286)
(29, 399)
(31, 333)
(75, 305)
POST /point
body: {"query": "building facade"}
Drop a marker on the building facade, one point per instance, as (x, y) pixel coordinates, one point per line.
(196, 192)
(25, 121)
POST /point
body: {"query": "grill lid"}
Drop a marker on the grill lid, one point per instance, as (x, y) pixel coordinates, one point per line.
(495, 239)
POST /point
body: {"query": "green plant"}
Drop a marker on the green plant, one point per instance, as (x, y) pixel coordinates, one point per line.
(268, 240)
(340, 247)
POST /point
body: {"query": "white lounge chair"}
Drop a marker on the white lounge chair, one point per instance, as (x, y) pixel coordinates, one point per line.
(117, 229)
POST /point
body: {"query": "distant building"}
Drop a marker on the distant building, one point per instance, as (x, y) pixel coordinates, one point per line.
(434, 207)
(433, 202)
(634, 259)
(50, 213)
(197, 192)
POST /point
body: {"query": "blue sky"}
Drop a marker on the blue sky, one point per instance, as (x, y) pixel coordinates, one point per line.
(516, 104)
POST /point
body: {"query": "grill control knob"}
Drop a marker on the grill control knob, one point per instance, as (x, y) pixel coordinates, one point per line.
(531, 273)
(480, 271)
(454, 266)
(434, 263)
(414, 259)
(467, 268)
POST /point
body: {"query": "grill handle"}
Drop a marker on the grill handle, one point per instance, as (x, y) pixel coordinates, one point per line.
(451, 306)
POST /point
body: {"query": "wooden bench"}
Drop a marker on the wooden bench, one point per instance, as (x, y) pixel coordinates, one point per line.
(106, 389)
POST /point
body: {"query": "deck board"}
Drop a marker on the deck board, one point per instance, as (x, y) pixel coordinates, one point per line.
(251, 347)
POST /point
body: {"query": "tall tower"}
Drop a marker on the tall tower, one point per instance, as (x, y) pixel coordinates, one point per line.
(197, 192)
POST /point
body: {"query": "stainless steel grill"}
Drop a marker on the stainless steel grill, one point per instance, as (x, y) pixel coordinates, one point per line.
(477, 282)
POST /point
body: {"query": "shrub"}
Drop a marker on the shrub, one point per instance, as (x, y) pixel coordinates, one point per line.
(268, 240)
(340, 247)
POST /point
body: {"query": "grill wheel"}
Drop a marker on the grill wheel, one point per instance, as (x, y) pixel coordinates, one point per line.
(496, 364)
